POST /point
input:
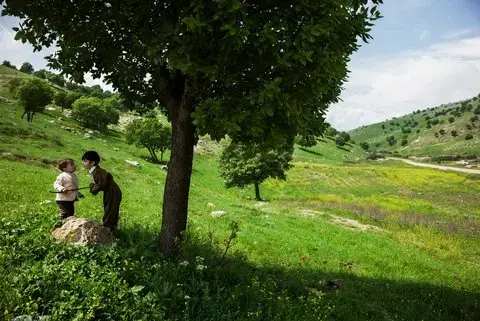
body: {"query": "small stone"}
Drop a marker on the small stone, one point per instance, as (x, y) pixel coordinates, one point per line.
(218, 214)
(211, 205)
(133, 163)
(87, 135)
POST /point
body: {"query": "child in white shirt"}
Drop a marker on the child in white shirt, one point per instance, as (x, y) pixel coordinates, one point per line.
(67, 186)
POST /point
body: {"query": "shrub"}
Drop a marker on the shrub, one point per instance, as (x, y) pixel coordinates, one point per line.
(442, 132)
(14, 84)
(340, 140)
(391, 140)
(364, 145)
(404, 142)
(468, 136)
(451, 119)
(454, 133)
(7, 63)
(150, 134)
(306, 140)
(92, 113)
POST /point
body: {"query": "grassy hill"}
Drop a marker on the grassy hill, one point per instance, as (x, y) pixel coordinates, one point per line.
(450, 127)
(340, 239)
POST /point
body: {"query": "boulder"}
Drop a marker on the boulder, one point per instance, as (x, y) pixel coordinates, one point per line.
(83, 231)
(133, 163)
(218, 214)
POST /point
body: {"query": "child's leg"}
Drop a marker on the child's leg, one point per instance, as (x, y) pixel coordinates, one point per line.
(67, 209)
(111, 206)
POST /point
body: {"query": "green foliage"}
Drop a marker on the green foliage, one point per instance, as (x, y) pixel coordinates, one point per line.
(7, 63)
(474, 119)
(451, 120)
(468, 136)
(27, 68)
(364, 145)
(13, 84)
(306, 140)
(93, 113)
(34, 94)
(454, 133)
(331, 132)
(404, 142)
(340, 140)
(476, 111)
(56, 79)
(42, 74)
(391, 140)
(66, 99)
(151, 134)
(442, 132)
(242, 165)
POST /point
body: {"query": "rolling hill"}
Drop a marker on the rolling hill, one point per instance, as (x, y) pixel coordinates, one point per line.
(449, 129)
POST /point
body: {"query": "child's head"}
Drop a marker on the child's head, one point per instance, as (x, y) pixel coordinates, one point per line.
(90, 159)
(66, 165)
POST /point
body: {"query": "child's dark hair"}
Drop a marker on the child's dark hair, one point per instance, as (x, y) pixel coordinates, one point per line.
(62, 163)
(92, 156)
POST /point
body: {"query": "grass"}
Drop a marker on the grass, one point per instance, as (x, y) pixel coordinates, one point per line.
(422, 265)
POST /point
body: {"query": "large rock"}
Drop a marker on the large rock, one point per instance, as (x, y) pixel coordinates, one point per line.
(83, 231)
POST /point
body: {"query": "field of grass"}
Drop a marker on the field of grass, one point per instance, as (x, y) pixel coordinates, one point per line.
(422, 141)
(341, 239)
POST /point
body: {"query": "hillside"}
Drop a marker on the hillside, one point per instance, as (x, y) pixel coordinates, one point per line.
(444, 130)
(336, 241)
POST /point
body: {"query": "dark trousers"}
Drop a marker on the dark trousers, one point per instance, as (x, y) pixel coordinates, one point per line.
(67, 208)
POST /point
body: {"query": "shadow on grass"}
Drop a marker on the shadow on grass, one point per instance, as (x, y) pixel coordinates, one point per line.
(238, 288)
(343, 148)
(310, 151)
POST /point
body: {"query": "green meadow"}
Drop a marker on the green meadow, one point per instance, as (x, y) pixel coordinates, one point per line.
(342, 238)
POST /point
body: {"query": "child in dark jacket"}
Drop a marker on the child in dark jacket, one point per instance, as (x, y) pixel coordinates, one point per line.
(103, 181)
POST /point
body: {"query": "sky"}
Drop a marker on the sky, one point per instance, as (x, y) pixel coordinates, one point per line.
(424, 53)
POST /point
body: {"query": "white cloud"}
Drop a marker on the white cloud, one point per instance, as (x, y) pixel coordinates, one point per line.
(382, 88)
(17, 53)
(458, 33)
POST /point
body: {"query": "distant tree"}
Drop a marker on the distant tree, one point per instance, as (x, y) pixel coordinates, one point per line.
(468, 136)
(331, 132)
(34, 94)
(340, 140)
(476, 111)
(71, 85)
(66, 99)
(383, 126)
(7, 63)
(364, 145)
(242, 165)
(40, 74)
(451, 119)
(56, 79)
(27, 68)
(404, 142)
(346, 136)
(391, 140)
(442, 132)
(306, 140)
(92, 113)
(454, 133)
(151, 134)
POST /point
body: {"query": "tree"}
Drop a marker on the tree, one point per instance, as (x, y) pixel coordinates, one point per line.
(151, 134)
(391, 140)
(281, 65)
(306, 140)
(34, 94)
(454, 133)
(404, 142)
(7, 63)
(27, 68)
(340, 140)
(13, 84)
(56, 79)
(345, 136)
(42, 74)
(242, 164)
(364, 145)
(331, 132)
(92, 113)
(468, 136)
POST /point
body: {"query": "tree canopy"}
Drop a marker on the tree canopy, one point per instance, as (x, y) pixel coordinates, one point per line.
(27, 68)
(151, 134)
(246, 164)
(258, 71)
(34, 94)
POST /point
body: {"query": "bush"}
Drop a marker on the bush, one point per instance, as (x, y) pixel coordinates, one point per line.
(306, 140)
(404, 142)
(14, 84)
(442, 132)
(468, 136)
(34, 94)
(374, 156)
(451, 119)
(474, 119)
(391, 140)
(364, 145)
(93, 113)
(340, 141)
(454, 133)
(7, 63)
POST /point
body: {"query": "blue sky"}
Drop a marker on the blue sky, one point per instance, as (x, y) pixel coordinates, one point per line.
(424, 53)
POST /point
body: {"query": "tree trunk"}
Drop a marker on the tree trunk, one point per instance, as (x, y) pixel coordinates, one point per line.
(161, 156)
(257, 192)
(175, 198)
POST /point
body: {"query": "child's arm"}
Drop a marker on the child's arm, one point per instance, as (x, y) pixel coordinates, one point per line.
(58, 184)
(100, 183)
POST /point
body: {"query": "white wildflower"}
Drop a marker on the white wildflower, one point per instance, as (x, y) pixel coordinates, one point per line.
(201, 267)
(187, 297)
(199, 259)
(184, 263)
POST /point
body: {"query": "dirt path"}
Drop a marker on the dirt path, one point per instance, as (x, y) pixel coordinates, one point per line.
(446, 168)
